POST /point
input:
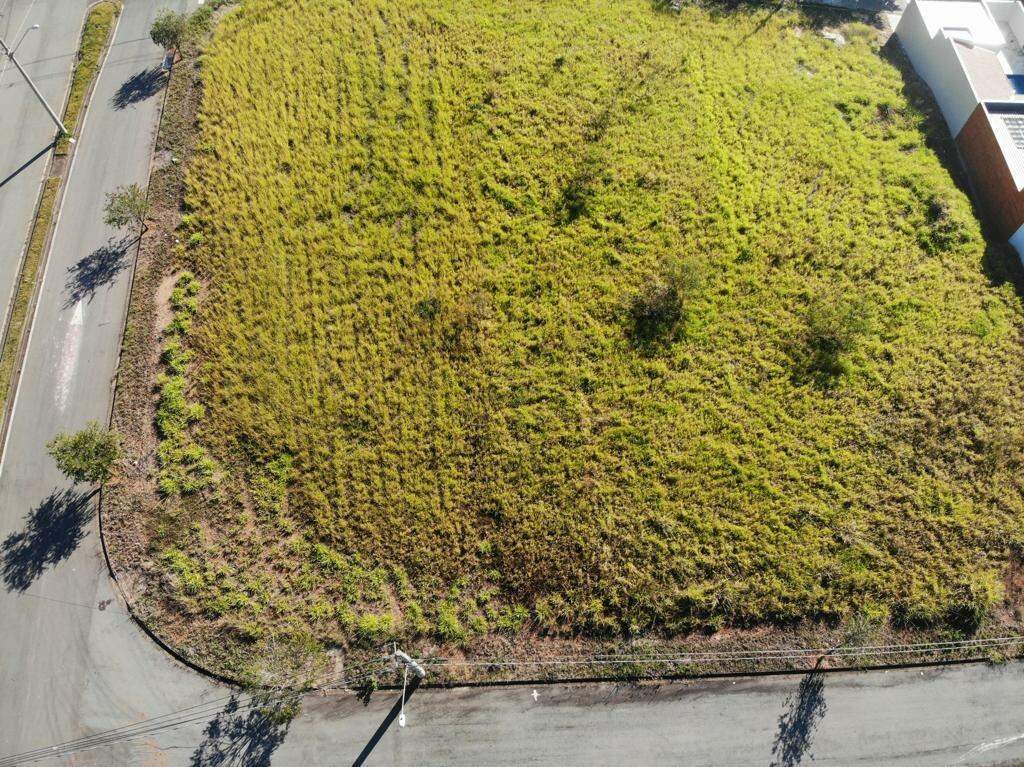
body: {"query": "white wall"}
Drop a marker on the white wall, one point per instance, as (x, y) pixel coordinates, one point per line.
(1012, 13)
(1017, 241)
(935, 60)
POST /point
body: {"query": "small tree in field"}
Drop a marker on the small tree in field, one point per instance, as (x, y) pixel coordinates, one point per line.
(88, 455)
(169, 30)
(126, 206)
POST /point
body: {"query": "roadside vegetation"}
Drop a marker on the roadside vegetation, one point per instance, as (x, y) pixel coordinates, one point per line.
(566, 319)
(87, 455)
(98, 24)
(16, 323)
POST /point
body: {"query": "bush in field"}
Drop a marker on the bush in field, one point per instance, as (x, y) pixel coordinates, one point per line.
(88, 455)
(835, 325)
(660, 307)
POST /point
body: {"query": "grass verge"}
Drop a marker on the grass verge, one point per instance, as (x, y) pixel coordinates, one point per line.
(95, 34)
(26, 286)
(668, 324)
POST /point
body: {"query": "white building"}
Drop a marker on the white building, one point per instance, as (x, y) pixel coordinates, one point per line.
(968, 51)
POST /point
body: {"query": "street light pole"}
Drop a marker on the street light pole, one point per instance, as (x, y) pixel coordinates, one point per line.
(21, 39)
(53, 115)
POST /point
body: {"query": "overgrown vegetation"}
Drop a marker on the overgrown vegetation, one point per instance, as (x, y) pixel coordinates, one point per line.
(575, 318)
(98, 23)
(15, 330)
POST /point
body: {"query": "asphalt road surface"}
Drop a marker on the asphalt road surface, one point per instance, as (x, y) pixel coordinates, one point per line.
(69, 662)
(26, 131)
(72, 665)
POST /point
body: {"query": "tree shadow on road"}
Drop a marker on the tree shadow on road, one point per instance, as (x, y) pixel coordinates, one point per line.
(245, 734)
(804, 711)
(95, 270)
(52, 532)
(139, 87)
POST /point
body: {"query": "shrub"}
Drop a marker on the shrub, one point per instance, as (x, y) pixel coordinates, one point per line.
(835, 325)
(88, 455)
(660, 307)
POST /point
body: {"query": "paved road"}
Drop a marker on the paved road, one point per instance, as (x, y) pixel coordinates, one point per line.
(965, 715)
(960, 715)
(72, 665)
(26, 132)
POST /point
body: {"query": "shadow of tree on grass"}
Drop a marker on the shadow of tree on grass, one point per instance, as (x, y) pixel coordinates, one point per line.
(804, 711)
(52, 532)
(245, 734)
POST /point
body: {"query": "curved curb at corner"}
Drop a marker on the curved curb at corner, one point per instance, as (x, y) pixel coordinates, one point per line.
(111, 571)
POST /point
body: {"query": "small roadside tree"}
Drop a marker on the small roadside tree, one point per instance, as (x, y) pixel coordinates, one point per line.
(87, 455)
(169, 29)
(126, 206)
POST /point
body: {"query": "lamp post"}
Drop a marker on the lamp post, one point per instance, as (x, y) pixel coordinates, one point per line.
(22, 38)
(10, 54)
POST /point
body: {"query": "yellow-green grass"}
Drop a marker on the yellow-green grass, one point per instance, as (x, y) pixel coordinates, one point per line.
(95, 34)
(412, 399)
(26, 286)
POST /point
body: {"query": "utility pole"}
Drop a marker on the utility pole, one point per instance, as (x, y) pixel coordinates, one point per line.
(53, 115)
(398, 710)
(408, 662)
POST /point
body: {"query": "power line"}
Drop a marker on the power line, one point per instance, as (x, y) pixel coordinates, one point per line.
(351, 677)
(184, 717)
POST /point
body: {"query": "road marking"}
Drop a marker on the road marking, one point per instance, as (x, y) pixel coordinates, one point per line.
(16, 381)
(69, 355)
(992, 745)
(535, 696)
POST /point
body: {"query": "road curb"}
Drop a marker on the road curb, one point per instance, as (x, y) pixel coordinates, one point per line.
(111, 571)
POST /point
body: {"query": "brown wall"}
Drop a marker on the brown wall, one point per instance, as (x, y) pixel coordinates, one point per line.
(990, 177)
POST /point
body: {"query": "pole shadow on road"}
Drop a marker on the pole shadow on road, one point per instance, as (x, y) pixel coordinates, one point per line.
(139, 87)
(52, 532)
(25, 165)
(388, 720)
(804, 711)
(245, 734)
(95, 270)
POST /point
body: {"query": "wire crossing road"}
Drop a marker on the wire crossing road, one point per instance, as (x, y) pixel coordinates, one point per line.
(75, 670)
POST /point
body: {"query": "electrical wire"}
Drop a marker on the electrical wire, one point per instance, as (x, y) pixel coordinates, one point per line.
(353, 676)
(184, 717)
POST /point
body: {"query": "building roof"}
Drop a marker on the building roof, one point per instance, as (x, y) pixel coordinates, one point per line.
(985, 71)
(961, 19)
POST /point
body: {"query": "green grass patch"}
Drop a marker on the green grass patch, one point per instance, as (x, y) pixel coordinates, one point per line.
(582, 317)
(26, 286)
(95, 34)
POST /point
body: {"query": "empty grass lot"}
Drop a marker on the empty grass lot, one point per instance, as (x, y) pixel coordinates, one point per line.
(576, 318)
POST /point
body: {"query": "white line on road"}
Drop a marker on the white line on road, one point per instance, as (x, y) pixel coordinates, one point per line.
(992, 745)
(69, 355)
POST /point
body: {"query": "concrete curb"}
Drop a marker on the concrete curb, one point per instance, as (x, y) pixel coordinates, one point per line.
(129, 606)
